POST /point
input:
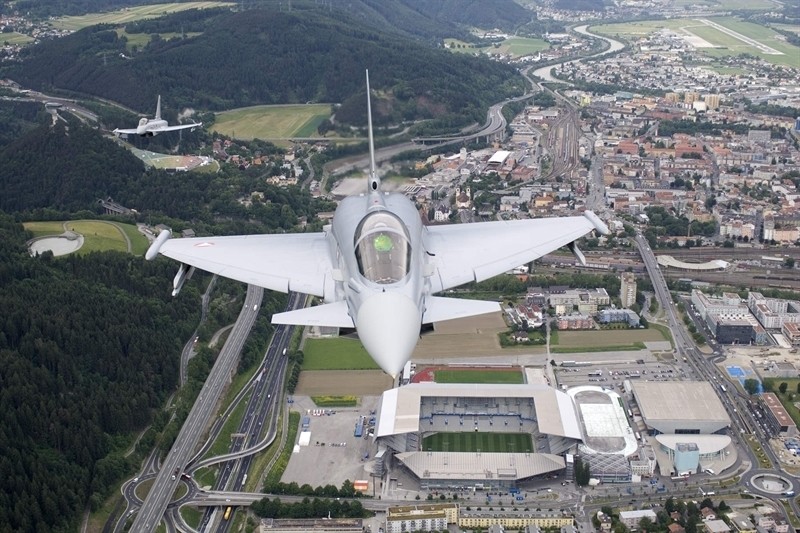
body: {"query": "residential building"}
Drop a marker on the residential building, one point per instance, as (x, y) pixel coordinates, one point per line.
(631, 519)
(627, 291)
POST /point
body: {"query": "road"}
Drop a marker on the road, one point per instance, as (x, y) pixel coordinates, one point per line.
(168, 477)
(735, 402)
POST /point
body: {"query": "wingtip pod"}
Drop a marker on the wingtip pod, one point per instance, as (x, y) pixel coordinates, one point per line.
(154, 248)
(598, 224)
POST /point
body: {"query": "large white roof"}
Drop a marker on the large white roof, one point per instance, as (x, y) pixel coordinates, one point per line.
(685, 400)
(476, 466)
(400, 408)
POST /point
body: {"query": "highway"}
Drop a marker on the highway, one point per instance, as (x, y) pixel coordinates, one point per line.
(168, 477)
(263, 407)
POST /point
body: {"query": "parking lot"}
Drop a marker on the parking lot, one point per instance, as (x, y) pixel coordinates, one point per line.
(333, 454)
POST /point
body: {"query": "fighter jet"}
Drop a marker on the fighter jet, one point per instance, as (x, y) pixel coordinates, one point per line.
(376, 266)
(149, 127)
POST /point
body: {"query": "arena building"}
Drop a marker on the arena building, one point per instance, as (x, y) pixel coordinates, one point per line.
(687, 423)
(446, 435)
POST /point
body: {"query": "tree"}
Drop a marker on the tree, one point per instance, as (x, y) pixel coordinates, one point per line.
(782, 387)
(788, 262)
(751, 385)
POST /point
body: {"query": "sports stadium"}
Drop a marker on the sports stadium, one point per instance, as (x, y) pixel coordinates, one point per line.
(454, 436)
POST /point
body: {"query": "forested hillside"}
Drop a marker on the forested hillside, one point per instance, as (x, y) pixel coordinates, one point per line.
(264, 56)
(63, 167)
(88, 350)
(501, 14)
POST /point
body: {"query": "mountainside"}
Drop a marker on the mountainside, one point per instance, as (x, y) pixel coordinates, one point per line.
(271, 57)
(88, 351)
(63, 168)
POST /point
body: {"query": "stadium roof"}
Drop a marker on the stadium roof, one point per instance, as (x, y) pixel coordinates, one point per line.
(478, 466)
(400, 408)
(684, 400)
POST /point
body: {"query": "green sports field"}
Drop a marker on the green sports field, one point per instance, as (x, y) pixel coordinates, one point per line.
(478, 376)
(270, 122)
(475, 441)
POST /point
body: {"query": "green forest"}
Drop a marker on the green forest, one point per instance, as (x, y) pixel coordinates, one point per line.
(266, 56)
(88, 351)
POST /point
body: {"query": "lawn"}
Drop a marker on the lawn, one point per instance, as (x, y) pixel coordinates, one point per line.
(99, 235)
(478, 376)
(272, 121)
(336, 354)
(43, 229)
(130, 14)
(475, 441)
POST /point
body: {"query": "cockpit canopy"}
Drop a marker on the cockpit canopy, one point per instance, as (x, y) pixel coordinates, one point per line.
(382, 248)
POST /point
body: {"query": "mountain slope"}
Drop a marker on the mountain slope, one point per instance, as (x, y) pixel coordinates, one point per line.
(272, 57)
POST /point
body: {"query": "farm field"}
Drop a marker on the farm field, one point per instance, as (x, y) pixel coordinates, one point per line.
(479, 375)
(130, 14)
(607, 338)
(343, 383)
(336, 354)
(474, 441)
(272, 121)
(143, 39)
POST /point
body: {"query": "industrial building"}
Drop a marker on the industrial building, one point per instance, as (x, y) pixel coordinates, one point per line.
(778, 421)
(687, 422)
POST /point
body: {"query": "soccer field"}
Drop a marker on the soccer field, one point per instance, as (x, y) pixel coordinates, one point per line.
(478, 375)
(474, 442)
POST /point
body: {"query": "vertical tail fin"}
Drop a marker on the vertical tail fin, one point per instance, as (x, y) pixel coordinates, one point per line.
(374, 181)
(158, 108)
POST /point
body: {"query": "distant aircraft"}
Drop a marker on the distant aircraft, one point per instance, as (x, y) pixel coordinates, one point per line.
(376, 266)
(149, 127)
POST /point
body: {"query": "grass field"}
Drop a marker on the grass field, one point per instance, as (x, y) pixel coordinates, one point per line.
(16, 38)
(335, 401)
(42, 229)
(143, 39)
(131, 14)
(99, 235)
(474, 441)
(516, 46)
(336, 354)
(272, 121)
(478, 376)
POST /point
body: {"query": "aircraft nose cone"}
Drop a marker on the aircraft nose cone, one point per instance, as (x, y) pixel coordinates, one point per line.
(388, 325)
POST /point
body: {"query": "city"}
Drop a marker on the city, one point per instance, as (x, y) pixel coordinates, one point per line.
(646, 381)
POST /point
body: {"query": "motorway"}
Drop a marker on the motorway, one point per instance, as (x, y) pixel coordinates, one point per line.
(152, 510)
(256, 432)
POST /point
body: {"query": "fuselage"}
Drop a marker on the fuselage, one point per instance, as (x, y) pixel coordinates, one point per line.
(377, 245)
(150, 127)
